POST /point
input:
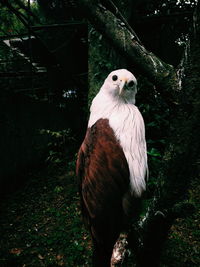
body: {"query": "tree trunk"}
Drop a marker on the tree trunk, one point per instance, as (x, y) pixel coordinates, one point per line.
(180, 165)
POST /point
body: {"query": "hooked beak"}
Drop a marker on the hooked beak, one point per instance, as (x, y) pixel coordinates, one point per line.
(122, 84)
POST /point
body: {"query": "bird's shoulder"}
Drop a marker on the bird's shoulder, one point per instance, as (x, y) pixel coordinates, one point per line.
(101, 152)
(100, 139)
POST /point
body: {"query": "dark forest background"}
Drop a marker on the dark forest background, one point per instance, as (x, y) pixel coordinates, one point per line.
(54, 57)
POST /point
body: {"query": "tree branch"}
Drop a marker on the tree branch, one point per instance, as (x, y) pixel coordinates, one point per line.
(26, 24)
(161, 74)
(28, 11)
(17, 13)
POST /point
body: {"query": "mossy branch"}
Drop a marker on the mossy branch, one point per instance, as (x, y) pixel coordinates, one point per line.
(163, 75)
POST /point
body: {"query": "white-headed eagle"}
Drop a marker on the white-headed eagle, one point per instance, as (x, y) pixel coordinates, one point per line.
(112, 163)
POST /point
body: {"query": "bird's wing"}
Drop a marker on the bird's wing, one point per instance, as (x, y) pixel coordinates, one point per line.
(103, 173)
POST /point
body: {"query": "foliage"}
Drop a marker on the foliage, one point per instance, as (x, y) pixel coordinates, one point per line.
(185, 236)
(164, 7)
(156, 115)
(10, 24)
(59, 145)
(58, 11)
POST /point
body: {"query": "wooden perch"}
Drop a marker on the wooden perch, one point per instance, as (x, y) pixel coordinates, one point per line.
(163, 75)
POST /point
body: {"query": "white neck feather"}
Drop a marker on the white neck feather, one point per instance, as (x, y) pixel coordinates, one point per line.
(127, 123)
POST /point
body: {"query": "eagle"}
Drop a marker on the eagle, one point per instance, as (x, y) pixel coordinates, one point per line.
(112, 164)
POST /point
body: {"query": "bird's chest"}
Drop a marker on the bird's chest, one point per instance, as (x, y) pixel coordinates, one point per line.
(128, 126)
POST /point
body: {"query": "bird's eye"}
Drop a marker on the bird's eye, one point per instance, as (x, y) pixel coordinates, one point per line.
(131, 84)
(114, 77)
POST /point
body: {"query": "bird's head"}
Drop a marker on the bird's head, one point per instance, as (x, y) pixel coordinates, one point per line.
(121, 84)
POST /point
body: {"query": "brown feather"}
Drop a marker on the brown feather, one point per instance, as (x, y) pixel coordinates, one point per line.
(104, 179)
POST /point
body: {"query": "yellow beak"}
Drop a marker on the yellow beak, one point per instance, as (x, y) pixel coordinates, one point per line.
(121, 86)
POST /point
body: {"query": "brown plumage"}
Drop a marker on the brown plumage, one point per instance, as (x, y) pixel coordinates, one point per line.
(104, 179)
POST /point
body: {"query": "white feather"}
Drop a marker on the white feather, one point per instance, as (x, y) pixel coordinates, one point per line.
(127, 123)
